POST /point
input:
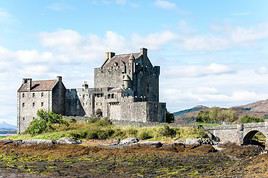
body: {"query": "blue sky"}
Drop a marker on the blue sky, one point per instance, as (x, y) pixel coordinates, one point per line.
(210, 52)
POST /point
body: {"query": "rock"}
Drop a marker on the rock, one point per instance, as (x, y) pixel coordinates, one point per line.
(68, 141)
(154, 144)
(128, 141)
(192, 141)
(6, 142)
(37, 142)
(206, 141)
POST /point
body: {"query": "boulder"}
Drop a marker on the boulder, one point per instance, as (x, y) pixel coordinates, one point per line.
(36, 142)
(68, 141)
(192, 141)
(128, 141)
(154, 144)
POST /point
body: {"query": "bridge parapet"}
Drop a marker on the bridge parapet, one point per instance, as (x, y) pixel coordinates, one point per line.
(238, 133)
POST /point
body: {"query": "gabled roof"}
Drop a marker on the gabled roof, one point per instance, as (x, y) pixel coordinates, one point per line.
(120, 57)
(39, 85)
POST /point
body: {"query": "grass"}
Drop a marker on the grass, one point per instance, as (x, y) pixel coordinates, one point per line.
(103, 129)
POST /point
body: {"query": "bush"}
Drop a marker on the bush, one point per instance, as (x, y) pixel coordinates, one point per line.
(169, 117)
(118, 133)
(103, 122)
(144, 135)
(248, 119)
(37, 126)
(167, 132)
(132, 132)
(105, 134)
(45, 122)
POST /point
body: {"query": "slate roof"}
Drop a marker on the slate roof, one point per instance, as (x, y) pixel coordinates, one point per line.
(39, 85)
(120, 57)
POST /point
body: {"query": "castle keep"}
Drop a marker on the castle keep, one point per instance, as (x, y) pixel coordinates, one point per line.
(126, 88)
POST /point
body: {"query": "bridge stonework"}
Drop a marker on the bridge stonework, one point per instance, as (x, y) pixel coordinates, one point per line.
(239, 133)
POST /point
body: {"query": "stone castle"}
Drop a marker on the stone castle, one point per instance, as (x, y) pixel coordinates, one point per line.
(126, 88)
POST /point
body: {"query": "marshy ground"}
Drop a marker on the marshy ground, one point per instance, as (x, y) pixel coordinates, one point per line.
(135, 161)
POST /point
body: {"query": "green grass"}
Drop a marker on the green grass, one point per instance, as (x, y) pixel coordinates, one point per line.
(103, 129)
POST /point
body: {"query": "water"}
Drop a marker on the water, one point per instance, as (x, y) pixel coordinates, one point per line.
(7, 134)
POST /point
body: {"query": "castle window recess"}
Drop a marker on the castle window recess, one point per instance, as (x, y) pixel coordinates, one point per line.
(42, 104)
(23, 118)
(42, 94)
(22, 95)
(23, 104)
(33, 104)
(33, 95)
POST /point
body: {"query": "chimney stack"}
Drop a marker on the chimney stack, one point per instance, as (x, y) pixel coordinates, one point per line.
(85, 85)
(28, 82)
(59, 78)
(143, 51)
(109, 55)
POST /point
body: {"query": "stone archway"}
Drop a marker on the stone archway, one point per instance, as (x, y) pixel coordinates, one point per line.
(255, 137)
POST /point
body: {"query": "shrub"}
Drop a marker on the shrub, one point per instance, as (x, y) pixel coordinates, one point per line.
(103, 122)
(167, 132)
(132, 132)
(45, 122)
(105, 134)
(37, 126)
(118, 133)
(169, 117)
(248, 119)
(144, 135)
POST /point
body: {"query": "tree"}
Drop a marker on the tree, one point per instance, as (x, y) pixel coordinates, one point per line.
(45, 122)
(169, 117)
(248, 119)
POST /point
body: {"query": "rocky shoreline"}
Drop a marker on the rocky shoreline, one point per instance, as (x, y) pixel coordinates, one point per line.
(129, 158)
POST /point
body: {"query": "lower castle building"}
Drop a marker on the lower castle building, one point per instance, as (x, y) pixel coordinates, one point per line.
(126, 88)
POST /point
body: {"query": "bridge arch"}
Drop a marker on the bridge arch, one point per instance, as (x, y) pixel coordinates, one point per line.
(255, 137)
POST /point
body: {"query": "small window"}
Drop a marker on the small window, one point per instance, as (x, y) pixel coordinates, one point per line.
(33, 104)
(33, 95)
(23, 95)
(42, 94)
(23, 118)
(23, 104)
(42, 104)
(33, 118)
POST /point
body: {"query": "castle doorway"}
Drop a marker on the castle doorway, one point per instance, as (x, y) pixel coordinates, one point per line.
(99, 113)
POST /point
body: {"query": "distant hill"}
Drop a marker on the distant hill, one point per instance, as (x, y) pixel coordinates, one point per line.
(258, 109)
(7, 126)
(191, 110)
(188, 115)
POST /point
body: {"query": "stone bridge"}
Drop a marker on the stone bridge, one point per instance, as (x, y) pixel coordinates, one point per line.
(239, 133)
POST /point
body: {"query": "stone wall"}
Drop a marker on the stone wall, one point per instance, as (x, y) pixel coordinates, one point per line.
(28, 105)
(58, 98)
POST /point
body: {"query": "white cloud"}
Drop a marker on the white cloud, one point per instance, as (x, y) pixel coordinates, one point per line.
(4, 14)
(59, 7)
(197, 70)
(226, 38)
(262, 70)
(155, 40)
(165, 4)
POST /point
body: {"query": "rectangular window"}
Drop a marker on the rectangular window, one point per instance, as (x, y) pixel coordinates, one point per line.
(42, 94)
(23, 104)
(22, 95)
(42, 104)
(33, 95)
(23, 118)
(33, 104)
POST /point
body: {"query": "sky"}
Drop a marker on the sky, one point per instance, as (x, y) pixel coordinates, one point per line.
(211, 52)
